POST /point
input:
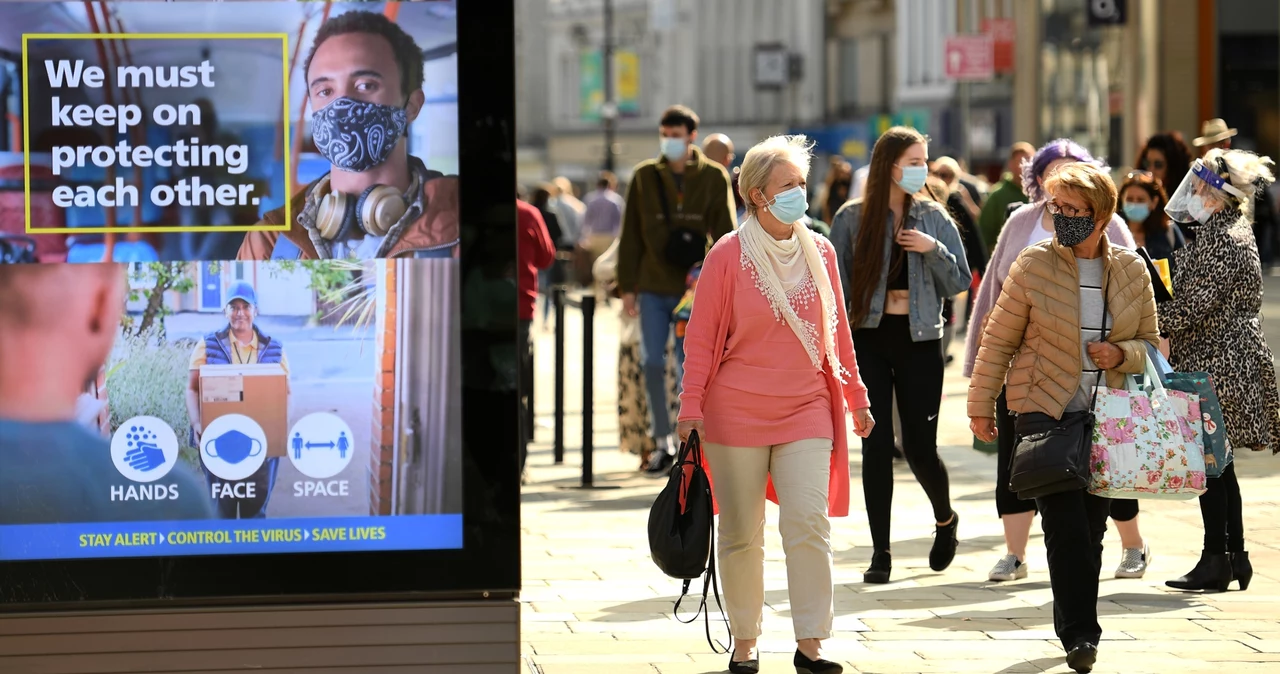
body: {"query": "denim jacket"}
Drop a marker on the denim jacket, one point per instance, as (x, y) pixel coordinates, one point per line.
(932, 277)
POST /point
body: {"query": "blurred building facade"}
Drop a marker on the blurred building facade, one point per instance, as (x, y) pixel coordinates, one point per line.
(1106, 73)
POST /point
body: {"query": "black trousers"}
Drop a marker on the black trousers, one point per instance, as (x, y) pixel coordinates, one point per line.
(890, 363)
(524, 345)
(1223, 513)
(1007, 502)
(1074, 523)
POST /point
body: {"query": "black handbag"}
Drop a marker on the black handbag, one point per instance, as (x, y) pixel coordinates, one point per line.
(1051, 456)
(685, 247)
(682, 535)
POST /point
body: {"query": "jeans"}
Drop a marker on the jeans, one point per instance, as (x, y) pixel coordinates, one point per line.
(801, 472)
(891, 365)
(656, 322)
(1074, 523)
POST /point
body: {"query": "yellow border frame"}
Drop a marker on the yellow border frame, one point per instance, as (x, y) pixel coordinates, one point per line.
(26, 132)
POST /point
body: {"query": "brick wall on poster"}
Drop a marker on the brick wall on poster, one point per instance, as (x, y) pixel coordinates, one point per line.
(382, 452)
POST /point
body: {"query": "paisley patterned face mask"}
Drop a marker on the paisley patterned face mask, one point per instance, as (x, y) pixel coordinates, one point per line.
(357, 135)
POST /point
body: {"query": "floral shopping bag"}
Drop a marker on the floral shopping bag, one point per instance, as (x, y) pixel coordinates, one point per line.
(1145, 444)
(1217, 447)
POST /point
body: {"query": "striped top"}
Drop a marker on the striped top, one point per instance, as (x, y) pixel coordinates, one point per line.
(1092, 310)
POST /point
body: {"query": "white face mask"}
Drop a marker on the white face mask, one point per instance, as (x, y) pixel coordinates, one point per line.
(1198, 210)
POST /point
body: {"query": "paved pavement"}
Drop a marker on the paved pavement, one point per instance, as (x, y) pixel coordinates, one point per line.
(593, 600)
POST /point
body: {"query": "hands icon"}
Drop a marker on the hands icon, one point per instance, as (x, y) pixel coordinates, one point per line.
(145, 457)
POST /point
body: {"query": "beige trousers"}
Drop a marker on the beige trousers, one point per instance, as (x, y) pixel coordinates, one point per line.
(800, 473)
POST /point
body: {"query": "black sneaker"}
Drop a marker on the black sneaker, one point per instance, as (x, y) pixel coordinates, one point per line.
(881, 567)
(944, 544)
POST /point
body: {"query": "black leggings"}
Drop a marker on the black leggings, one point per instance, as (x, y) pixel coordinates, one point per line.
(890, 363)
(1007, 502)
(1223, 513)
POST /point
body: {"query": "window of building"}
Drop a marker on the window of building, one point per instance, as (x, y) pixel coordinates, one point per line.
(1081, 80)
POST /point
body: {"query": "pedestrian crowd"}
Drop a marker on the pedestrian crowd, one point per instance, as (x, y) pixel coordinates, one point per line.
(1113, 346)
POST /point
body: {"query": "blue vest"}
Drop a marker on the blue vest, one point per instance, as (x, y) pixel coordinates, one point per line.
(217, 347)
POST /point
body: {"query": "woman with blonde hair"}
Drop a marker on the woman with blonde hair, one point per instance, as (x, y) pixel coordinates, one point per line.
(1050, 355)
(1214, 326)
(769, 370)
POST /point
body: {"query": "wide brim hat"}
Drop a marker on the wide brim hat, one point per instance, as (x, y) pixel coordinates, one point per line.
(1213, 131)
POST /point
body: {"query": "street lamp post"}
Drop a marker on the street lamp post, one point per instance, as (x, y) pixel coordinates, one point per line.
(609, 112)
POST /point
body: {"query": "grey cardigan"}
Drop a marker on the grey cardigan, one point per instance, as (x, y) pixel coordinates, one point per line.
(932, 277)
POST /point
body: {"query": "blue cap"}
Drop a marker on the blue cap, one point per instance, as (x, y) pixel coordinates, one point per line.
(241, 290)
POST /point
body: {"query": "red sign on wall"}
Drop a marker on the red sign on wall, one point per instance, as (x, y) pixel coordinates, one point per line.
(1002, 32)
(970, 57)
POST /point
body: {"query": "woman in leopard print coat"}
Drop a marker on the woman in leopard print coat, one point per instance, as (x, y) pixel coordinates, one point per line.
(1214, 326)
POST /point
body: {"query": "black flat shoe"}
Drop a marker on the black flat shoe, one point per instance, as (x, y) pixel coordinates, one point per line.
(945, 540)
(806, 666)
(751, 666)
(1082, 657)
(1213, 572)
(1241, 569)
(881, 565)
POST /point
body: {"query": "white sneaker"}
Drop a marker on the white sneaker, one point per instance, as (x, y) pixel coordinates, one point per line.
(1133, 562)
(1008, 568)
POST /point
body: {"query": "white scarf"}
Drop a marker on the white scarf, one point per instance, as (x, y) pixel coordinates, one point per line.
(781, 267)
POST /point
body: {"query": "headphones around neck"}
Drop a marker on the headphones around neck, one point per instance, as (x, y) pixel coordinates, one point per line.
(376, 210)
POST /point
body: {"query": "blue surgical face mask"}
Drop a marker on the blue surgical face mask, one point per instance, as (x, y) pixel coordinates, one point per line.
(673, 148)
(913, 178)
(1137, 212)
(789, 206)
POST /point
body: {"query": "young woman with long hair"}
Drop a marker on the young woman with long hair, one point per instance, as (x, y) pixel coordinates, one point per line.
(900, 257)
(1166, 156)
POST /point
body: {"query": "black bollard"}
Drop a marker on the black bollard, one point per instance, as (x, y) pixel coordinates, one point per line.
(557, 294)
(588, 387)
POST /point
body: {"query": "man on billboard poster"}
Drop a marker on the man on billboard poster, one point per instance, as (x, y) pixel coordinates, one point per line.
(364, 78)
(57, 327)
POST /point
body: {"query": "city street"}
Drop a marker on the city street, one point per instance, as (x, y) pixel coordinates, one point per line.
(594, 601)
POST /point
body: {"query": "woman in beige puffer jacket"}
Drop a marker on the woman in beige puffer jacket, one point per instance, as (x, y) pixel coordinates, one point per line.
(1071, 309)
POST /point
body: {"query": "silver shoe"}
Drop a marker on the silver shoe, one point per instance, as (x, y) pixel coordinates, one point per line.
(1133, 562)
(1008, 568)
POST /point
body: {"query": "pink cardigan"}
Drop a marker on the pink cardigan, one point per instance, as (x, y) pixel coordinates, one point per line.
(1013, 238)
(704, 345)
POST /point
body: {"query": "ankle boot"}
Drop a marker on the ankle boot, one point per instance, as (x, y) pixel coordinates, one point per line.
(1241, 569)
(881, 566)
(1213, 572)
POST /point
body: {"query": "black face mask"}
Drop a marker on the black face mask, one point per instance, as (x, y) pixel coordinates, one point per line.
(1072, 231)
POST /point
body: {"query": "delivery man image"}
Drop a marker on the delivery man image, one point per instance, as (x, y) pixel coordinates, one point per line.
(364, 81)
(241, 342)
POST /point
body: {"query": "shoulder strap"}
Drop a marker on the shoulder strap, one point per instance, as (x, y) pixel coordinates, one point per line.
(710, 581)
(1097, 382)
(662, 196)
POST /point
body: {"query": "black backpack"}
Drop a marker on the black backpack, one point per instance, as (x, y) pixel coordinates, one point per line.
(682, 535)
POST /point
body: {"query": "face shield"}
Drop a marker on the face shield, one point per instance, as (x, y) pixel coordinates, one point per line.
(1203, 193)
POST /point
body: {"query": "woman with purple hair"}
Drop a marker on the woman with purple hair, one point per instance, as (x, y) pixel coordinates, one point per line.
(1029, 225)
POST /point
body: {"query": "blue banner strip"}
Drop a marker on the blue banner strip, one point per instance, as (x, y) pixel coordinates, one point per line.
(229, 537)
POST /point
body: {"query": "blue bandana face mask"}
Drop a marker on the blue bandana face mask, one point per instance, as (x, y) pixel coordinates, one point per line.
(357, 135)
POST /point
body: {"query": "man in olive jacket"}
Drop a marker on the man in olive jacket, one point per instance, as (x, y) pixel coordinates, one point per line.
(684, 193)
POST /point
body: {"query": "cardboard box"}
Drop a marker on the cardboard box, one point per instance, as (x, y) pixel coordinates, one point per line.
(260, 392)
